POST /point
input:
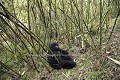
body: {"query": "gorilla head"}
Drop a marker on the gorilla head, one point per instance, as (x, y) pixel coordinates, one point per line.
(53, 46)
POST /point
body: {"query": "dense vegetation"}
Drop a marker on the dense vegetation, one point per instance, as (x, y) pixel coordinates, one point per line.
(88, 29)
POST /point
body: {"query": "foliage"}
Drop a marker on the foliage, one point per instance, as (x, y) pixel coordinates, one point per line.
(88, 28)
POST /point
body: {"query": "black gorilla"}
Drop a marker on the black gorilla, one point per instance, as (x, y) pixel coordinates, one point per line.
(59, 58)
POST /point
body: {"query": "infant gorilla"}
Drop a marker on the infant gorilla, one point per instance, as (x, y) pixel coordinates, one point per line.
(59, 58)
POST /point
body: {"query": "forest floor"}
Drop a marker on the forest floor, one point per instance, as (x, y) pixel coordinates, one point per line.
(90, 65)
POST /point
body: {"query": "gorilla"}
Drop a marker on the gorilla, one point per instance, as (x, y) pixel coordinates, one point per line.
(59, 58)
